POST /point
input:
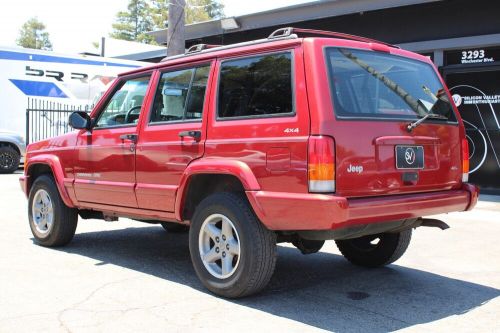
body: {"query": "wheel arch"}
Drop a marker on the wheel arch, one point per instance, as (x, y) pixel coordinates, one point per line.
(47, 164)
(204, 177)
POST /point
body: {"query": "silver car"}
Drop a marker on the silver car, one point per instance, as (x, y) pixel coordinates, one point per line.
(12, 151)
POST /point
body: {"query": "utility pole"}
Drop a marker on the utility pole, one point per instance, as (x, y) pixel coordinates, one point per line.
(103, 46)
(176, 43)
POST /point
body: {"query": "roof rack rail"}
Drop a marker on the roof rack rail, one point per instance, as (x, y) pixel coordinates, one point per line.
(290, 31)
(282, 33)
(200, 47)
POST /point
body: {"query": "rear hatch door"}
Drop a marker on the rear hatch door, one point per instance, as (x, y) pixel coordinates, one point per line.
(395, 128)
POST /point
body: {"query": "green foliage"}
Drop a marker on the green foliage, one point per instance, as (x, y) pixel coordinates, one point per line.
(147, 15)
(133, 24)
(203, 10)
(159, 13)
(33, 35)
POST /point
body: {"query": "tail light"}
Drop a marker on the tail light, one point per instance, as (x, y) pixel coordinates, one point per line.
(465, 160)
(321, 164)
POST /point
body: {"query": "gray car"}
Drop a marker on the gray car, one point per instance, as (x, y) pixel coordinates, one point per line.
(12, 151)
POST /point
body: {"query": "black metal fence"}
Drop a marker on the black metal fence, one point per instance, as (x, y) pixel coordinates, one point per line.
(46, 119)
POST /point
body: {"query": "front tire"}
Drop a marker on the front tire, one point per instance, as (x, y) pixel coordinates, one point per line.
(233, 254)
(375, 250)
(51, 221)
(9, 159)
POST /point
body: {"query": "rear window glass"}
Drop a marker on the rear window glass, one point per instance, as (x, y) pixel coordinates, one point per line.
(256, 86)
(368, 84)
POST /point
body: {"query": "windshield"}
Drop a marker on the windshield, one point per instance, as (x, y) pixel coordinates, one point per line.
(377, 85)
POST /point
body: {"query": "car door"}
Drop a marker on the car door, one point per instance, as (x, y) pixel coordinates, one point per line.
(105, 171)
(173, 135)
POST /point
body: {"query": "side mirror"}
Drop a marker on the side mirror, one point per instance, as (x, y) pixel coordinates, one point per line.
(80, 120)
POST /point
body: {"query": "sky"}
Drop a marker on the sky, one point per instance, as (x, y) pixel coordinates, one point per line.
(74, 24)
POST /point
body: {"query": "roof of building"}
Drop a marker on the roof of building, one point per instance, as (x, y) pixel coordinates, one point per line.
(416, 25)
(287, 15)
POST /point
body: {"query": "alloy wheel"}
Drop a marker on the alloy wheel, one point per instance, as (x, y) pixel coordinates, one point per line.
(43, 211)
(219, 246)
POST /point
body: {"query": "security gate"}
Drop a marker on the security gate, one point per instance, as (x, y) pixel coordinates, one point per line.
(48, 119)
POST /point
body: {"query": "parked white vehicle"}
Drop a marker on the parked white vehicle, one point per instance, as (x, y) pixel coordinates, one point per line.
(45, 76)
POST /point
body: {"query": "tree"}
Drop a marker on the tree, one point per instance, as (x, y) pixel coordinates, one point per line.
(147, 15)
(33, 35)
(195, 11)
(203, 10)
(133, 24)
(159, 11)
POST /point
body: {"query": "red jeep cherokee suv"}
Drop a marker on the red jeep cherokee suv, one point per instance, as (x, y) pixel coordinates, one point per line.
(302, 137)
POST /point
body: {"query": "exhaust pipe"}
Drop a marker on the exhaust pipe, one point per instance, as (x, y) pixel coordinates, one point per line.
(432, 223)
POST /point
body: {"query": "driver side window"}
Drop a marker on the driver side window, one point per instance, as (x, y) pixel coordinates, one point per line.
(124, 107)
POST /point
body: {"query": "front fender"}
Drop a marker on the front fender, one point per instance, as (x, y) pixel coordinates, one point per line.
(55, 165)
(234, 168)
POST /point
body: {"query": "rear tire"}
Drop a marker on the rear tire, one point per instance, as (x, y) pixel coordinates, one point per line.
(9, 159)
(174, 227)
(366, 252)
(51, 221)
(233, 254)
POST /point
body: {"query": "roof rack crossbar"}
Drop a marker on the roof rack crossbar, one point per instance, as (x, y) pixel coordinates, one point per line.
(281, 32)
(288, 31)
(200, 47)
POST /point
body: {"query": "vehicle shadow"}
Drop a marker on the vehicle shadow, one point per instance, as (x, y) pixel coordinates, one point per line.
(321, 290)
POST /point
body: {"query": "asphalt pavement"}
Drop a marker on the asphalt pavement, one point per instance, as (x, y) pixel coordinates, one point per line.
(127, 276)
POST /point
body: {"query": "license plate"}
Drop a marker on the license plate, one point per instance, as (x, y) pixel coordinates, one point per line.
(409, 157)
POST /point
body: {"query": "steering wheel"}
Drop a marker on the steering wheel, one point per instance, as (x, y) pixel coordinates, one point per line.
(129, 112)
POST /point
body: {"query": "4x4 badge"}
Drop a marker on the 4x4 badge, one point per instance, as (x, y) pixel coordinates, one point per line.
(410, 156)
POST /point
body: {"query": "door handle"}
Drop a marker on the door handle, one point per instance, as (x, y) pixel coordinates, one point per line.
(130, 137)
(194, 134)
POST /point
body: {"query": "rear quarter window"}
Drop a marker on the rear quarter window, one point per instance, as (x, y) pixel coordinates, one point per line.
(259, 86)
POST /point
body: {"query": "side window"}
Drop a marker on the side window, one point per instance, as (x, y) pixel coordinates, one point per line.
(197, 93)
(256, 86)
(125, 105)
(180, 95)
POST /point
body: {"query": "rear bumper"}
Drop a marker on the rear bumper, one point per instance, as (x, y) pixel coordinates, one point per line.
(291, 211)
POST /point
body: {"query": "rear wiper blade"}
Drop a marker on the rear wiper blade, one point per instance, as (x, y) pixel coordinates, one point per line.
(411, 101)
(414, 124)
